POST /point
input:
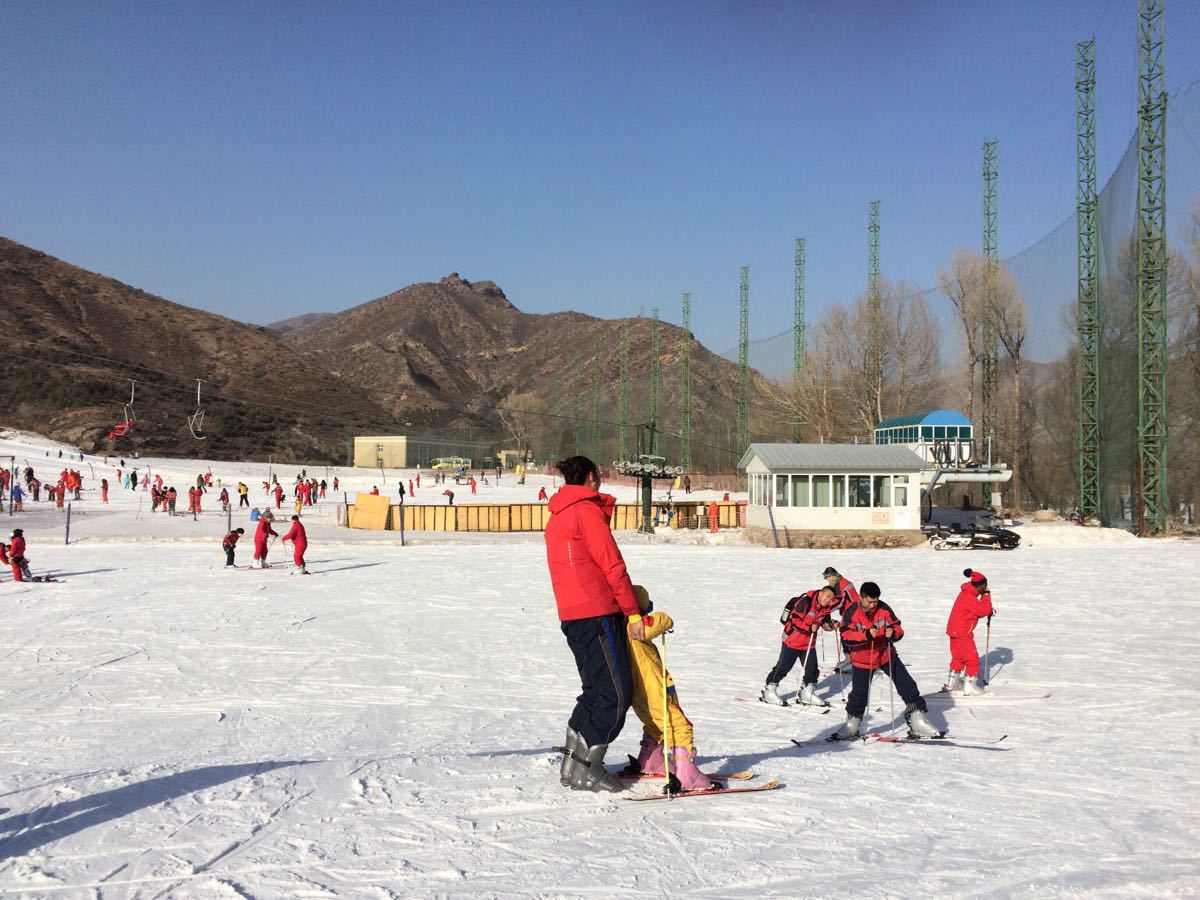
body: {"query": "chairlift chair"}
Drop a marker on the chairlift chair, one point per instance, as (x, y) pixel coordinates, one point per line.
(196, 419)
(121, 430)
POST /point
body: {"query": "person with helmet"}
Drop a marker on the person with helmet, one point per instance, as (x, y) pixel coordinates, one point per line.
(870, 629)
(299, 539)
(974, 602)
(16, 556)
(648, 677)
(229, 543)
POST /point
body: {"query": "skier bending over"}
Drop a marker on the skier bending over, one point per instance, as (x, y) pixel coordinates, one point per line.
(803, 617)
(299, 539)
(973, 603)
(869, 629)
(16, 556)
(260, 541)
(648, 676)
(594, 596)
(229, 543)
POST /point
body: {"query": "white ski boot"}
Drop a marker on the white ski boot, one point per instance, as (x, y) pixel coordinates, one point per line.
(919, 726)
(849, 731)
(971, 686)
(770, 694)
(954, 681)
(808, 696)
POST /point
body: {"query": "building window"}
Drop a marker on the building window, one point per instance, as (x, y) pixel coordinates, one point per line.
(769, 499)
(799, 490)
(782, 495)
(860, 490)
(900, 490)
(820, 490)
(882, 490)
(839, 490)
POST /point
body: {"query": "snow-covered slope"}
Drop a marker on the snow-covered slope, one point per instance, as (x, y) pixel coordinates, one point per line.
(383, 728)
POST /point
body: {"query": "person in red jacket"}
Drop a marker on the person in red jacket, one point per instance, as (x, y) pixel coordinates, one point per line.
(847, 597)
(974, 602)
(260, 541)
(278, 495)
(103, 490)
(16, 556)
(869, 630)
(299, 541)
(229, 545)
(594, 596)
(542, 495)
(804, 617)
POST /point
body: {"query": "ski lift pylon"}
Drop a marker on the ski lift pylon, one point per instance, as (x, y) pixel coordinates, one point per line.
(196, 419)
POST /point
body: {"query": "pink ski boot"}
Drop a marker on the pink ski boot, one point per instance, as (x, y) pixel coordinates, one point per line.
(649, 760)
(683, 767)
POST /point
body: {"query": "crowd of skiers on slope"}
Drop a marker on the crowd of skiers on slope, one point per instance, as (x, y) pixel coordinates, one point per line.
(609, 624)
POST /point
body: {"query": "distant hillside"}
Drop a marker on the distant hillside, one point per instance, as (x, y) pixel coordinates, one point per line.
(73, 339)
(283, 327)
(457, 349)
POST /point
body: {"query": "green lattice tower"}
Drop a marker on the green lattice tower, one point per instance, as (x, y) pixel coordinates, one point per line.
(798, 325)
(685, 389)
(598, 368)
(655, 399)
(624, 443)
(578, 423)
(874, 310)
(1152, 271)
(743, 396)
(1088, 307)
(988, 352)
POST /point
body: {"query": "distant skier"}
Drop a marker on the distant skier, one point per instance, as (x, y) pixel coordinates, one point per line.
(260, 541)
(299, 539)
(411, 492)
(418, 479)
(804, 616)
(103, 490)
(472, 484)
(278, 491)
(17, 496)
(542, 496)
(869, 629)
(322, 488)
(229, 544)
(243, 495)
(449, 495)
(172, 496)
(224, 498)
(335, 482)
(974, 602)
(16, 556)
(648, 676)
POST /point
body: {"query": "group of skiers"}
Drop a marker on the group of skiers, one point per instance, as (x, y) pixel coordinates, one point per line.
(609, 624)
(296, 534)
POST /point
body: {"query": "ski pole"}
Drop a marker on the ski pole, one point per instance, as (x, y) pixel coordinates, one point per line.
(666, 722)
(987, 672)
(891, 687)
(812, 639)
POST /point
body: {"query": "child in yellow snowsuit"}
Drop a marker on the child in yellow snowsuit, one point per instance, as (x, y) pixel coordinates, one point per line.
(648, 674)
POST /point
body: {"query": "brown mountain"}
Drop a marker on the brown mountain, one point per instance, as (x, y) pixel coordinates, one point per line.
(74, 339)
(451, 352)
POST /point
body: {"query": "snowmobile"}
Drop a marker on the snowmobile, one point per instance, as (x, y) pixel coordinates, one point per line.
(980, 539)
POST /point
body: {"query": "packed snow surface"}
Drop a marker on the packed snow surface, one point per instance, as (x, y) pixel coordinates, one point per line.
(384, 728)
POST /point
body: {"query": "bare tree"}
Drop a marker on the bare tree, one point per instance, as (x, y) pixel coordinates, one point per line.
(1011, 320)
(962, 283)
(521, 416)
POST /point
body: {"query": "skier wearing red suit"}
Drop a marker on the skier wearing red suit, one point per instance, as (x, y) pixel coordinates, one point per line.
(804, 616)
(299, 541)
(974, 602)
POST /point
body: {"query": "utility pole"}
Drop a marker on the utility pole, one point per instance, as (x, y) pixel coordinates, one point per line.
(578, 430)
(874, 312)
(990, 330)
(599, 371)
(1152, 271)
(685, 393)
(654, 380)
(1088, 308)
(798, 327)
(743, 396)
(624, 445)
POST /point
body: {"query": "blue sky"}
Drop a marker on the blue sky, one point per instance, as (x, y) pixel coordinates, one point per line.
(264, 160)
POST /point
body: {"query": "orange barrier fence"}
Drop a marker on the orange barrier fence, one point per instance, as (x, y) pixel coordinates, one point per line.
(518, 516)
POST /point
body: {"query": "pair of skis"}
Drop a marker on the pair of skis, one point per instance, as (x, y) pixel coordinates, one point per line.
(875, 737)
(718, 777)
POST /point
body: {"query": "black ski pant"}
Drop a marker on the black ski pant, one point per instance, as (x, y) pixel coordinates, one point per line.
(905, 687)
(601, 650)
(229, 556)
(788, 658)
(245, 501)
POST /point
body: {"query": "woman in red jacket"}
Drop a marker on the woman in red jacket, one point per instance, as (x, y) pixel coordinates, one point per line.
(594, 597)
(974, 602)
(869, 628)
(260, 541)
